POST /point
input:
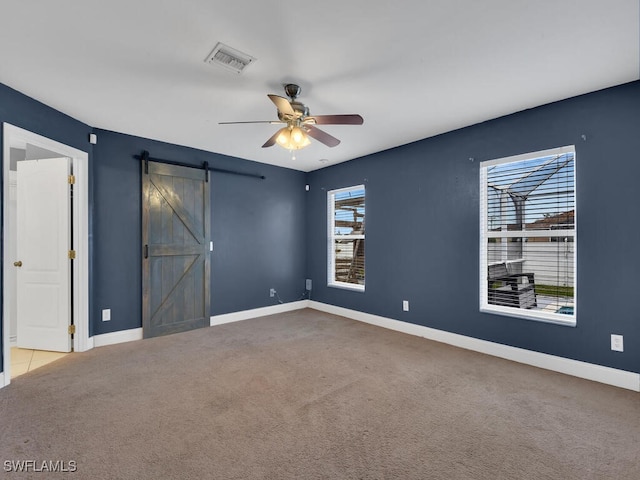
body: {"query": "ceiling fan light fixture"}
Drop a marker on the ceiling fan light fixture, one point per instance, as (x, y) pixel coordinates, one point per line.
(305, 142)
(284, 138)
(292, 138)
(297, 135)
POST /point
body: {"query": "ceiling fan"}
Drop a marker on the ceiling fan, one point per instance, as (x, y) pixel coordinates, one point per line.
(299, 124)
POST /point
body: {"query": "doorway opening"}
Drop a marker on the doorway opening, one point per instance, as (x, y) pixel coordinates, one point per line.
(23, 146)
(25, 360)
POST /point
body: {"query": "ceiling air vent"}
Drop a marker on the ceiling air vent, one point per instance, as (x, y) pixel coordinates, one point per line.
(229, 58)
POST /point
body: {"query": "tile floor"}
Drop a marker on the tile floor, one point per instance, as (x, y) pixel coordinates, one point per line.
(23, 360)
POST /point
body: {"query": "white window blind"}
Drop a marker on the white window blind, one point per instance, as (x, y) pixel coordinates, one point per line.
(346, 227)
(528, 236)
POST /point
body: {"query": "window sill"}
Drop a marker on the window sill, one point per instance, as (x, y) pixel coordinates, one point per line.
(535, 315)
(346, 286)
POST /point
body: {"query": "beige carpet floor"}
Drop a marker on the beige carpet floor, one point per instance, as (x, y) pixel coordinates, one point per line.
(308, 395)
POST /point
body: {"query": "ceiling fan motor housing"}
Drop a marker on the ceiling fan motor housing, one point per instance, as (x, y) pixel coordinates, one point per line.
(292, 90)
(300, 110)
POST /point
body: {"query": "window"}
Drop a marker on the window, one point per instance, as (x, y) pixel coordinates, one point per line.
(346, 238)
(528, 236)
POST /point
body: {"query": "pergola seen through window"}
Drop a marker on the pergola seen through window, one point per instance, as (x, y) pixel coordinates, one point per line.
(346, 266)
(528, 235)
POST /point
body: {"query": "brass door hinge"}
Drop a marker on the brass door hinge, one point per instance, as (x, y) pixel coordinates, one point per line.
(72, 329)
(72, 179)
(72, 254)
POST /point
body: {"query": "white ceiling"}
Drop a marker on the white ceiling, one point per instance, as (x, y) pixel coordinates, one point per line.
(411, 68)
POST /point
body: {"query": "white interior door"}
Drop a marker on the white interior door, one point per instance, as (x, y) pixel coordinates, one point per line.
(43, 243)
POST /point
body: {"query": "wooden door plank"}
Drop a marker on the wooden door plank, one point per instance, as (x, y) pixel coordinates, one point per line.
(172, 249)
(168, 288)
(146, 263)
(180, 235)
(177, 289)
(192, 223)
(176, 171)
(205, 192)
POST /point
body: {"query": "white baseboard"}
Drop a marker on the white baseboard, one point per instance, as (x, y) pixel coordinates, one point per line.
(2, 380)
(589, 371)
(136, 333)
(117, 337)
(257, 312)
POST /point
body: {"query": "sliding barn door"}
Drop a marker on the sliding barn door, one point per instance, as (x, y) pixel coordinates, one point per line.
(175, 237)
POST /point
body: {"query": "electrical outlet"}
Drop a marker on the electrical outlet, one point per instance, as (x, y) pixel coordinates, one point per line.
(617, 344)
(272, 292)
(106, 314)
(405, 305)
(308, 284)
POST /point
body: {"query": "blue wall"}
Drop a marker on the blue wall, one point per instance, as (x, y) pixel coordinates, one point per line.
(256, 226)
(423, 227)
(422, 224)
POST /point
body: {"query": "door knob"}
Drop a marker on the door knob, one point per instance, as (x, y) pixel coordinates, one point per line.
(18, 263)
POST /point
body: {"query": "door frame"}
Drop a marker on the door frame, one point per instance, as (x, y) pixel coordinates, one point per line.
(13, 135)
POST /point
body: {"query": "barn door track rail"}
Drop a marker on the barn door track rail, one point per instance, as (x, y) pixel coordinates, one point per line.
(205, 166)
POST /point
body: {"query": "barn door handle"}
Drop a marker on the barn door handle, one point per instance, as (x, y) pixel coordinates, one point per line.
(146, 251)
(18, 263)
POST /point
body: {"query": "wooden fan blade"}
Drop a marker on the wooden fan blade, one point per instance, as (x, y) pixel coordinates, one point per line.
(282, 104)
(272, 122)
(321, 136)
(347, 119)
(272, 140)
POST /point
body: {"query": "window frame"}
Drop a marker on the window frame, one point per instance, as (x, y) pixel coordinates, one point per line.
(331, 238)
(535, 315)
